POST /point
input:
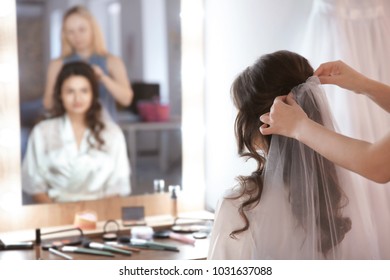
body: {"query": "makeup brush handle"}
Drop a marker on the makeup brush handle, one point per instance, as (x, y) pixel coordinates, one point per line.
(182, 238)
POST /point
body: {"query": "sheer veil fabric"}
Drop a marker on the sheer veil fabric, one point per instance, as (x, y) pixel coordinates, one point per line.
(357, 32)
(296, 217)
(293, 180)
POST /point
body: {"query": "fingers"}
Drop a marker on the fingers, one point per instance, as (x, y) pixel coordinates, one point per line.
(265, 118)
(328, 68)
(281, 98)
(279, 101)
(321, 70)
(326, 79)
(98, 71)
(329, 72)
(290, 100)
(266, 130)
(96, 68)
(272, 120)
(284, 101)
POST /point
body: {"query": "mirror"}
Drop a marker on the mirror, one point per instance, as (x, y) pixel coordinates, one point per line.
(151, 55)
(15, 217)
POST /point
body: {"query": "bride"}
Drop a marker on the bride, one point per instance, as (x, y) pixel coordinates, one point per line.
(296, 204)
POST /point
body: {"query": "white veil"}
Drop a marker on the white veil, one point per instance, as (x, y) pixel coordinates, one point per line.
(300, 212)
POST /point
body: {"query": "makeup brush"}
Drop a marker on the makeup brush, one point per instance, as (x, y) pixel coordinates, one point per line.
(74, 249)
(105, 247)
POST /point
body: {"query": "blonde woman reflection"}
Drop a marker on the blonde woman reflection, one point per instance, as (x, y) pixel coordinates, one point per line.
(76, 154)
(83, 40)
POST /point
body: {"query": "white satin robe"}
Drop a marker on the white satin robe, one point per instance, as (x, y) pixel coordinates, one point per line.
(54, 164)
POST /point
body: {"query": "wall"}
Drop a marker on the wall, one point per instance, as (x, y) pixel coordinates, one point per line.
(131, 45)
(236, 33)
(30, 30)
(174, 55)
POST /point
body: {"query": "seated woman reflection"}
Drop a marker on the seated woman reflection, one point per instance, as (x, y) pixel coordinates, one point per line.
(76, 154)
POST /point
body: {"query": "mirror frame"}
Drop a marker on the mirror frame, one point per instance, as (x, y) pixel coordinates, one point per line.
(14, 216)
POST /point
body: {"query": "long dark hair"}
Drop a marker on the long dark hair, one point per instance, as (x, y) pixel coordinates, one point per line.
(253, 93)
(93, 117)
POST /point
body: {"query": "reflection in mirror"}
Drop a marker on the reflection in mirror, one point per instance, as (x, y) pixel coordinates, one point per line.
(146, 36)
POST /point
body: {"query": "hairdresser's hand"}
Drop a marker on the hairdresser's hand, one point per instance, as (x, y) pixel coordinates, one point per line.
(98, 71)
(285, 118)
(341, 74)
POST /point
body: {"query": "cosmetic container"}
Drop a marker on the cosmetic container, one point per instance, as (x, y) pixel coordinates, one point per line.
(174, 189)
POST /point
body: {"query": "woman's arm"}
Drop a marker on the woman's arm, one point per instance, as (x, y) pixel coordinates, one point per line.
(339, 73)
(117, 83)
(52, 73)
(379, 93)
(371, 160)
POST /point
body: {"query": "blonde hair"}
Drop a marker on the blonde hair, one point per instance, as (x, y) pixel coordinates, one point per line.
(98, 44)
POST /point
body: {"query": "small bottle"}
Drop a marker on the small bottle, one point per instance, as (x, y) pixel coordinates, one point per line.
(174, 190)
(158, 185)
(38, 244)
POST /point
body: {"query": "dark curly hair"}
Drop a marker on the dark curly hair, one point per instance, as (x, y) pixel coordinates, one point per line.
(253, 93)
(93, 117)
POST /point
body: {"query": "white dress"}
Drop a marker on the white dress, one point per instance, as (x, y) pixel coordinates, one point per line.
(260, 241)
(273, 232)
(53, 164)
(357, 32)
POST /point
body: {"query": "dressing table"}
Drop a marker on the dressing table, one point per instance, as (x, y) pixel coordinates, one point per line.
(185, 251)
